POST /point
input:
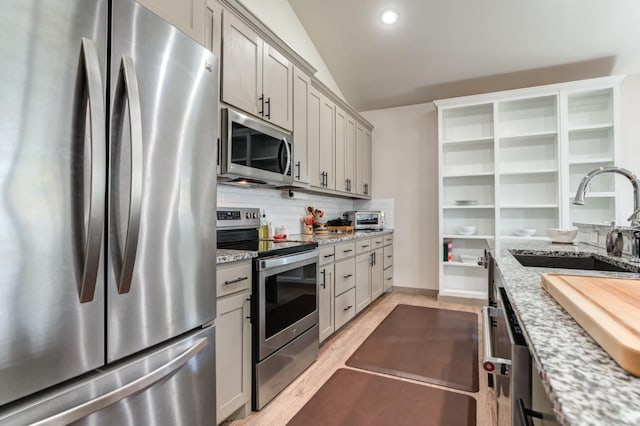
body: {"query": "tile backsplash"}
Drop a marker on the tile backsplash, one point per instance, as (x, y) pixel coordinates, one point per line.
(282, 210)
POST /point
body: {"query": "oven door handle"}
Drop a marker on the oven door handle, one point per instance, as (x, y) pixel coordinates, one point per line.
(491, 363)
(286, 260)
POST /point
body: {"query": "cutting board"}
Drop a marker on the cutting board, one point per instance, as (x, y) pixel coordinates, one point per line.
(607, 308)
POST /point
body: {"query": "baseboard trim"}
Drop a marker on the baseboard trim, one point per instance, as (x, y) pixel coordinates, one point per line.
(462, 300)
(413, 290)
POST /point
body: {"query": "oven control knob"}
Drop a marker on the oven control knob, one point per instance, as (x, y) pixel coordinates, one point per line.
(248, 215)
(255, 215)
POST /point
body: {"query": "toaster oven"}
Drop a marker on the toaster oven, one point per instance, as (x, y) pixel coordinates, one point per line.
(372, 220)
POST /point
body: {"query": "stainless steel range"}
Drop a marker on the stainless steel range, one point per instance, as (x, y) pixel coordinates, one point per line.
(284, 302)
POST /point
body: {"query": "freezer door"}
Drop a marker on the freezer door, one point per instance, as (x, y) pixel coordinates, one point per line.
(162, 185)
(171, 385)
(52, 191)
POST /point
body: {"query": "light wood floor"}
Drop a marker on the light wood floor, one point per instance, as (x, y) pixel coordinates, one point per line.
(335, 351)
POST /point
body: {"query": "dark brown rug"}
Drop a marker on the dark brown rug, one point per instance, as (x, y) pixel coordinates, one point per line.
(357, 398)
(431, 345)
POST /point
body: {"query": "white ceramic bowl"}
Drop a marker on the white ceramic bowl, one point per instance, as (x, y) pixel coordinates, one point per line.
(524, 232)
(565, 236)
(466, 230)
(465, 258)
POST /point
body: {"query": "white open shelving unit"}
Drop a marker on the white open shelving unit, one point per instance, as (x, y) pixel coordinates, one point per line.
(520, 155)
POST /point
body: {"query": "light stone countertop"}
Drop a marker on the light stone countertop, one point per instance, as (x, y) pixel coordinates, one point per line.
(584, 384)
(226, 256)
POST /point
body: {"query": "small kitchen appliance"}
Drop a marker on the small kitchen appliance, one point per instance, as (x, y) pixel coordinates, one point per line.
(370, 220)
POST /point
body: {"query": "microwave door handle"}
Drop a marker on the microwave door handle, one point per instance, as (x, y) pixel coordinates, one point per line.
(286, 147)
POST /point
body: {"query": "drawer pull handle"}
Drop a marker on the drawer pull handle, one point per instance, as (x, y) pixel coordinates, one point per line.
(328, 255)
(378, 242)
(237, 280)
(365, 246)
(347, 251)
(389, 256)
(348, 276)
(389, 279)
(348, 307)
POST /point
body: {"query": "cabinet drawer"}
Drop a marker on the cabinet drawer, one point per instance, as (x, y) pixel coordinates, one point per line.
(363, 246)
(377, 243)
(388, 256)
(345, 250)
(233, 277)
(388, 239)
(388, 279)
(327, 255)
(345, 275)
(345, 308)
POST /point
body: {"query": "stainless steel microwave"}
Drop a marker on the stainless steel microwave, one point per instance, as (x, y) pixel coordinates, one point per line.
(253, 150)
(367, 219)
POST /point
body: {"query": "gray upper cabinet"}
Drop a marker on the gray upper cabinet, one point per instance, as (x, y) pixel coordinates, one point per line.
(256, 78)
(345, 151)
(186, 15)
(301, 88)
(363, 161)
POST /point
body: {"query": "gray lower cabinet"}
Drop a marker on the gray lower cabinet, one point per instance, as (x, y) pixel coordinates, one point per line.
(377, 274)
(233, 341)
(363, 281)
(388, 263)
(388, 279)
(345, 307)
(325, 306)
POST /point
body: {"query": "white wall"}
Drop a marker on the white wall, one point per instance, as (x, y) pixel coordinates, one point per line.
(630, 138)
(405, 165)
(279, 16)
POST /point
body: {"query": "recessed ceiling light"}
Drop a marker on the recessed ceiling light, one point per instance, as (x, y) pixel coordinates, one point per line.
(389, 16)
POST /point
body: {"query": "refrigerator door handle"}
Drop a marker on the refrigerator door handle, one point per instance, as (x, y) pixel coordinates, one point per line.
(93, 239)
(128, 86)
(141, 384)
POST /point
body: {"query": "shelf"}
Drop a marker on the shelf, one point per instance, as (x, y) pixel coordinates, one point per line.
(468, 141)
(591, 128)
(468, 175)
(530, 206)
(467, 237)
(529, 172)
(475, 206)
(463, 265)
(595, 195)
(592, 161)
(528, 136)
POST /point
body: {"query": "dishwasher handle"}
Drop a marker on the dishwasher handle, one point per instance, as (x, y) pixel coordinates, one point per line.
(491, 363)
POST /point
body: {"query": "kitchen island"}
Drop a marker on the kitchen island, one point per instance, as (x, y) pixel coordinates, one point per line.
(584, 384)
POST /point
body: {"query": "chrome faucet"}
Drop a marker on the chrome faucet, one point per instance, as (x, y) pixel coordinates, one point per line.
(582, 189)
(635, 216)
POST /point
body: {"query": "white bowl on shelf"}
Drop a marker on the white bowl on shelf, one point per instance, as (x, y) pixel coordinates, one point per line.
(524, 232)
(466, 230)
(465, 258)
(563, 236)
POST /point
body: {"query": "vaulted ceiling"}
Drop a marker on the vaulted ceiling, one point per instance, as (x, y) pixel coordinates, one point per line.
(441, 49)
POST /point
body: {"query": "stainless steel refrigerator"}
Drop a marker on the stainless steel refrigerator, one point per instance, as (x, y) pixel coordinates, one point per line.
(107, 216)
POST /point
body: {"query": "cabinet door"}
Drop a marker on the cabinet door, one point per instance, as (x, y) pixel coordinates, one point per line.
(388, 279)
(241, 65)
(366, 163)
(301, 88)
(325, 306)
(213, 27)
(363, 161)
(350, 154)
(327, 142)
(313, 144)
(341, 142)
(363, 281)
(233, 354)
(277, 87)
(377, 274)
(186, 15)
(345, 307)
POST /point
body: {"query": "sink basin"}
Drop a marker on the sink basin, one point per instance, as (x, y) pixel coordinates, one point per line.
(590, 263)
